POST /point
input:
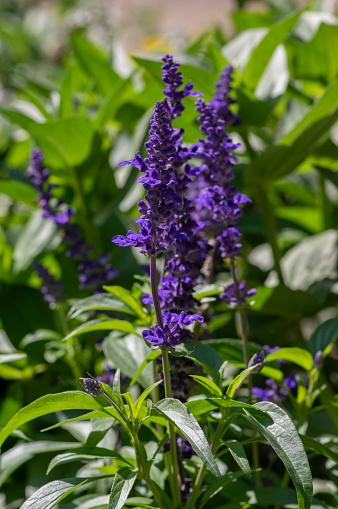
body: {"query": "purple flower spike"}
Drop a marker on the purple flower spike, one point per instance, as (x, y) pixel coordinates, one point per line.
(230, 294)
(93, 274)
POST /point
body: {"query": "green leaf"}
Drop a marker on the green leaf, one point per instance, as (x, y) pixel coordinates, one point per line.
(128, 354)
(207, 291)
(316, 60)
(237, 382)
(44, 234)
(297, 355)
(95, 64)
(283, 437)
(143, 396)
(261, 55)
(204, 355)
(53, 492)
(231, 350)
(19, 191)
(151, 357)
(324, 336)
(326, 105)
(237, 452)
(279, 160)
(208, 384)
(102, 324)
(64, 142)
(101, 301)
(176, 413)
(201, 406)
(71, 400)
(129, 399)
(314, 445)
(85, 454)
(123, 482)
(19, 454)
(128, 298)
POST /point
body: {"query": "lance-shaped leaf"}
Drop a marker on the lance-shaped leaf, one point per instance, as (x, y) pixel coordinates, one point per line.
(314, 445)
(297, 355)
(208, 384)
(237, 452)
(70, 400)
(101, 301)
(283, 437)
(100, 324)
(237, 382)
(143, 396)
(176, 413)
(128, 298)
(85, 454)
(123, 482)
(324, 336)
(201, 406)
(151, 357)
(53, 492)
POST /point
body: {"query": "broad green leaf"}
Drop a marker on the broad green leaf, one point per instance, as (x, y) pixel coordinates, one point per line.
(19, 454)
(279, 160)
(239, 49)
(117, 385)
(176, 413)
(128, 354)
(201, 406)
(64, 142)
(204, 355)
(283, 437)
(297, 355)
(102, 324)
(40, 335)
(70, 400)
(95, 64)
(45, 237)
(101, 301)
(237, 382)
(128, 298)
(309, 261)
(324, 336)
(151, 357)
(316, 60)
(261, 55)
(208, 384)
(306, 217)
(231, 350)
(123, 482)
(314, 445)
(84, 454)
(143, 396)
(251, 19)
(237, 452)
(326, 105)
(53, 492)
(112, 102)
(19, 191)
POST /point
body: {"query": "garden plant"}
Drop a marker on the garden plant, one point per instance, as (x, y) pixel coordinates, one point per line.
(168, 270)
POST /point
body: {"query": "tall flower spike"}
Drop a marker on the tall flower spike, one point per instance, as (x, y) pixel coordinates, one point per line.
(93, 274)
(164, 208)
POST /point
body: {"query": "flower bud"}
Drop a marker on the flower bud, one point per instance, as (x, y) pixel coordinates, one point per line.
(318, 360)
(92, 386)
(258, 358)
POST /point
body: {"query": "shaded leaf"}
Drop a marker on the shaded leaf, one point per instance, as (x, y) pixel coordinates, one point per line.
(237, 452)
(324, 336)
(123, 482)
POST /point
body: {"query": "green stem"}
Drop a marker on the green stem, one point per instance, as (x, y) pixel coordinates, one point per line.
(214, 447)
(271, 229)
(71, 354)
(172, 459)
(245, 346)
(145, 472)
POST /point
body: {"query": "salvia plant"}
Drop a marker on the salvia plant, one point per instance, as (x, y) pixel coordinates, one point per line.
(188, 224)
